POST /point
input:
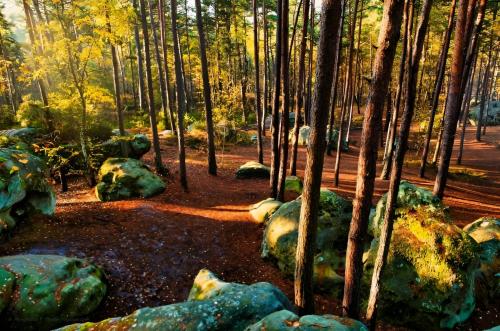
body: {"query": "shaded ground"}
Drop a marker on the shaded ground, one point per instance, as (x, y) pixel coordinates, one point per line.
(152, 249)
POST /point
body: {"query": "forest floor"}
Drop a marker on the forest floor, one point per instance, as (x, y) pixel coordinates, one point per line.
(152, 249)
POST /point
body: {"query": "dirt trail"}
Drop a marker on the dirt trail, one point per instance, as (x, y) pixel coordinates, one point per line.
(152, 249)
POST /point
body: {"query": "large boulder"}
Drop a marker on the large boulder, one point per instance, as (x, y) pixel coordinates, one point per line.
(262, 211)
(281, 233)
(212, 305)
(285, 320)
(122, 178)
(486, 232)
(43, 291)
(24, 191)
(428, 281)
(409, 198)
(25, 134)
(137, 145)
(252, 170)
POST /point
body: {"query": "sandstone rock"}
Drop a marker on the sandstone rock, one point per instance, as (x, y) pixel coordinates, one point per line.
(253, 169)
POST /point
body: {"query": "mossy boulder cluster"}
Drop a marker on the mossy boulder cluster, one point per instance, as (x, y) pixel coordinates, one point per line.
(281, 233)
(43, 291)
(486, 232)
(214, 305)
(136, 145)
(24, 191)
(123, 178)
(252, 170)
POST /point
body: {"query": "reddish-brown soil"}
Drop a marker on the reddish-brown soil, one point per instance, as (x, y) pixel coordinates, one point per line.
(152, 249)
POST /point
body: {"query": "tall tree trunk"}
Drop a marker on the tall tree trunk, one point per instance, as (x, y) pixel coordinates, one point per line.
(367, 162)
(212, 163)
(169, 90)
(437, 88)
(465, 114)
(348, 100)
(160, 168)
(285, 121)
(391, 136)
(397, 164)
(265, 103)
(275, 138)
(306, 245)
(460, 66)
(140, 63)
(299, 98)
(116, 85)
(161, 77)
(258, 109)
(181, 97)
(307, 107)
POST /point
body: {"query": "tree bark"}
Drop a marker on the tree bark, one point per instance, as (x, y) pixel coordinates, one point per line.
(160, 168)
(299, 98)
(397, 164)
(437, 88)
(212, 163)
(140, 63)
(285, 121)
(258, 109)
(181, 97)
(384, 59)
(306, 245)
(275, 153)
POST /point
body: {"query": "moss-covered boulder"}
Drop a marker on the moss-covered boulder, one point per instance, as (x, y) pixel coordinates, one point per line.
(213, 305)
(24, 191)
(428, 282)
(25, 134)
(252, 170)
(262, 211)
(137, 145)
(123, 178)
(43, 291)
(293, 184)
(409, 198)
(285, 320)
(486, 232)
(281, 233)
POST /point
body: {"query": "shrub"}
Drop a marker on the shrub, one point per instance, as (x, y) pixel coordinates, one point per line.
(32, 114)
(7, 118)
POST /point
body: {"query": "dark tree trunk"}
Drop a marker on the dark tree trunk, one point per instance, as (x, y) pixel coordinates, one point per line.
(169, 91)
(384, 59)
(275, 153)
(181, 97)
(307, 108)
(258, 109)
(299, 99)
(212, 163)
(140, 63)
(285, 122)
(306, 245)
(397, 164)
(160, 168)
(437, 88)
(456, 89)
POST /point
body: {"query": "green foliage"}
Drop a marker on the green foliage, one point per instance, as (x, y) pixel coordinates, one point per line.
(7, 117)
(32, 114)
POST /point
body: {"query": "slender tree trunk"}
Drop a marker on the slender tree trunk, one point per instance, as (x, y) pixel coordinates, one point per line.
(437, 88)
(348, 100)
(169, 91)
(275, 153)
(258, 109)
(391, 135)
(397, 164)
(181, 97)
(265, 103)
(160, 168)
(140, 63)
(299, 99)
(452, 113)
(285, 121)
(465, 114)
(306, 245)
(307, 107)
(212, 164)
(367, 162)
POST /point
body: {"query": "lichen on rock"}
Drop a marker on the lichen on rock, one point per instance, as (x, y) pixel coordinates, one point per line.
(263, 210)
(252, 169)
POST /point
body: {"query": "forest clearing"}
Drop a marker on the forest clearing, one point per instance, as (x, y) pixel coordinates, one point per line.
(249, 165)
